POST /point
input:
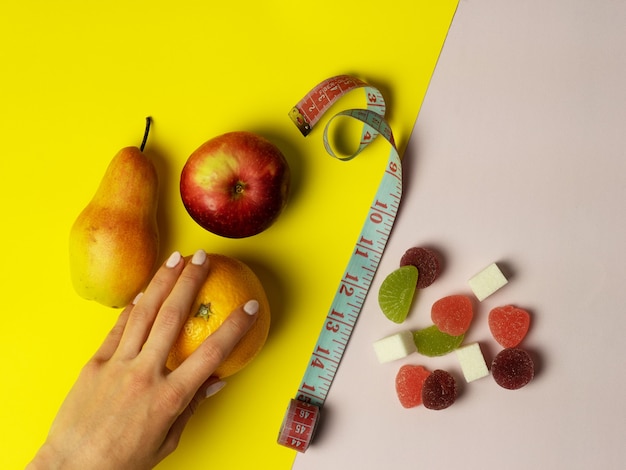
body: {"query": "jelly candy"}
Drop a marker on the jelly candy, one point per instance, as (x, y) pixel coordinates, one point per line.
(508, 325)
(452, 314)
(512, 368)
(396, 293)
(409, 382)
(432, 342)
(439, 390)
(427, 263)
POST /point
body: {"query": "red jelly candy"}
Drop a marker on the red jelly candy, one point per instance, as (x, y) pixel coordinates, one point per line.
(426, 262)
(452, 314)
(508, 325)
(409, 382)
(439, 390)
(512, 368)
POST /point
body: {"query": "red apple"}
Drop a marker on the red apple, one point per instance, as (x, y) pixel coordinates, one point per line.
(235, 185)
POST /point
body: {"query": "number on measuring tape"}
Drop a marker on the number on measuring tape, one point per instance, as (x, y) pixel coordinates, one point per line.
(297, 430)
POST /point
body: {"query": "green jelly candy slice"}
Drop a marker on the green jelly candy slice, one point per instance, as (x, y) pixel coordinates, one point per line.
(396, 293)
(432, 342)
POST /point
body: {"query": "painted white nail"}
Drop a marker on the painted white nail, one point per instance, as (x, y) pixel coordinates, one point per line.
(199, 257)
(251, 307)
(214, 388)
(173, 260)
(137, 297)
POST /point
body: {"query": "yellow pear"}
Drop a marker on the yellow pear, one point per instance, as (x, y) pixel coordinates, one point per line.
(114, 242)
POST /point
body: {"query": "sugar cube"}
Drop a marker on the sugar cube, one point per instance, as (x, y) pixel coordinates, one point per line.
(487, 281)
(472, 362)
(395, 346)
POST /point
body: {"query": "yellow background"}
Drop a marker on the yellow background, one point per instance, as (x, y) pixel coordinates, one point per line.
(77, 80)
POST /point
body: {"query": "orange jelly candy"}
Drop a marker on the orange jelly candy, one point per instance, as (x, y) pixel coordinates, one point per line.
(452, 314)
(409, 382)
(508, 325)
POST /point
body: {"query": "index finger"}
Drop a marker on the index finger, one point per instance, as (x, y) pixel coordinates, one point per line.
(201, 364)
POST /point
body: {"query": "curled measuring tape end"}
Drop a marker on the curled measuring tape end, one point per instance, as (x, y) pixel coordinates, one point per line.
(299, 425)
(300, 121)
(308, 111)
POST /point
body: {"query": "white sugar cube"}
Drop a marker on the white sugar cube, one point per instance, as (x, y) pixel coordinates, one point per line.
(487, 281)
(472, 362)
(394, 347)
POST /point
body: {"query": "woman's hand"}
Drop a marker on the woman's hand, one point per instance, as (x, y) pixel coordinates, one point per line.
(126, 410)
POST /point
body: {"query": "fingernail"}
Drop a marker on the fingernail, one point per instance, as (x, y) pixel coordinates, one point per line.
(137, 297)
(214, 388)
(251, 307)
(173, 260)
(199, 257)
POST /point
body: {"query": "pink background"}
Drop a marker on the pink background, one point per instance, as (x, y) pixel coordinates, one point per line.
(517, 157)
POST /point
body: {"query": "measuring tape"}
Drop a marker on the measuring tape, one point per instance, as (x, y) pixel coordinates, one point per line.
(303, 412)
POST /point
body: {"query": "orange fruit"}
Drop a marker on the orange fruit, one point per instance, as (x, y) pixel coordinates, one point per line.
(230, 284)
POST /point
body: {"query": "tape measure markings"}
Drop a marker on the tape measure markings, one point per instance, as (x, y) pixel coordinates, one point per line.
(353, 284)
(303, 412)
(298, 425)
(308, 111)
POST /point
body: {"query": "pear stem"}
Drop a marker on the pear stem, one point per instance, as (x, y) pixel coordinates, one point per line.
(145, 134)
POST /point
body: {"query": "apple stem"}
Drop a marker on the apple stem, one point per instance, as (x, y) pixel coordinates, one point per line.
(145, 133)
